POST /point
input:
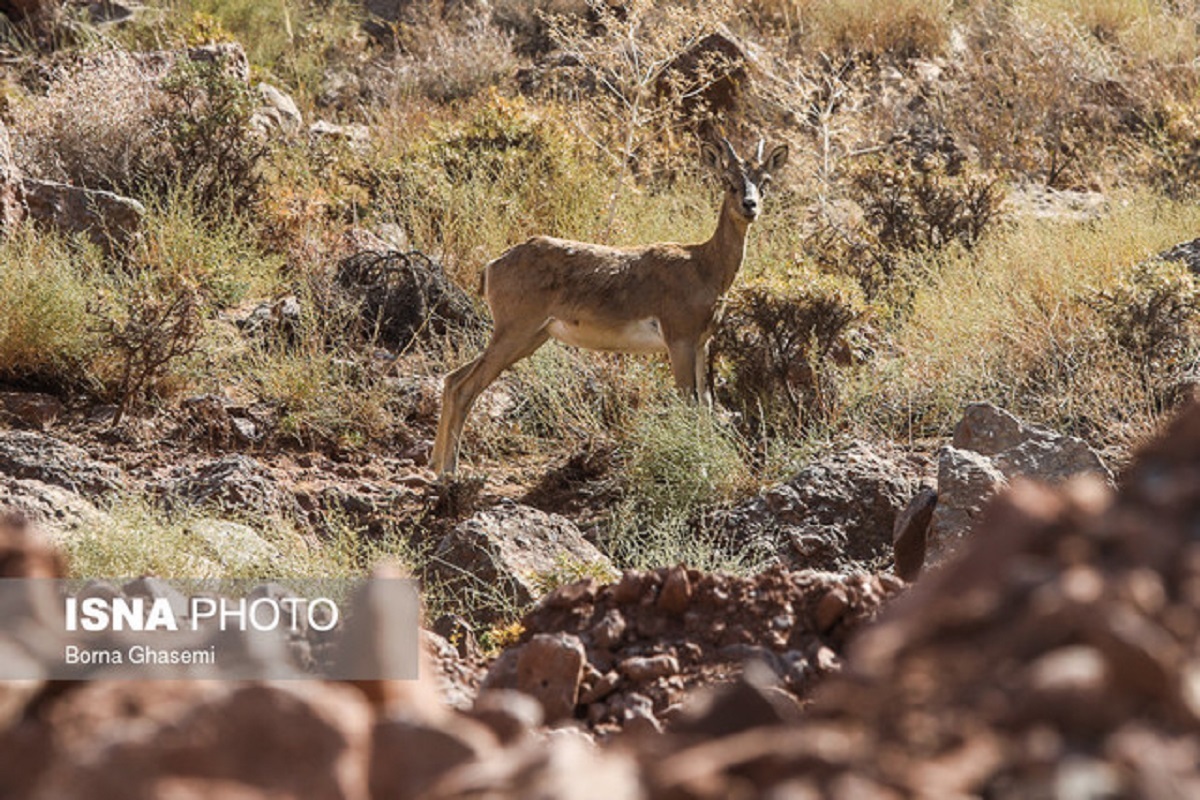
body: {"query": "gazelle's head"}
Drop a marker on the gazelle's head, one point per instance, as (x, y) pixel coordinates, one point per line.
(745, 181)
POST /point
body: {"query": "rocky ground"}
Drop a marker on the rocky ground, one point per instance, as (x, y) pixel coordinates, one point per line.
(1055, 657)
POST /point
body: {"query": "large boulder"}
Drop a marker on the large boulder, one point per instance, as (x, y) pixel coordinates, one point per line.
(512, 555)
(235, 483)
(966, 482)
(25, 455)
(991, 448)
(1020, 449)
(839, 509)
(278, 112)
(106, 218)
(53, 506)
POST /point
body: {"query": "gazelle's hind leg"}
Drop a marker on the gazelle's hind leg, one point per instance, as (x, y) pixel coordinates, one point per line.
(685, 366)
(703, 388)
(464, 385)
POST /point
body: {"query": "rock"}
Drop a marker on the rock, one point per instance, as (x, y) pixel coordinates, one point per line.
(278, 112)
(509, 553)
(966, 482)
(1019, 449)
(565, 766)
(234, 483)
(459, 634)
(12, 190)
(1060, 205)
(403, 296)
(1186, 252)
(34, 409)
(308, 740)
(754, 700)
(110, 12)
(607, 633)
(643, 669)
(26, 554)
(550, 669)
(676, 592)
(716, 65)
(830, 609)
(841, 508)
(990, 448)
(510, 715)
(36, 456)
(355, 135)
(109, 220)
(910, 534)
(408, 757)
(52, 506)
(457, 676)
(279, 320)
(235, 546)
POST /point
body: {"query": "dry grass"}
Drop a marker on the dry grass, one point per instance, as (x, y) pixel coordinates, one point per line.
(1010, 323)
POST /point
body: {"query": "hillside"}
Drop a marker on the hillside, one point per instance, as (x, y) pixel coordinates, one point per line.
(241, 245)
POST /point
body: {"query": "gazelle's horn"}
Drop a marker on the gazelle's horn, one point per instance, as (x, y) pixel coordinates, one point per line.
(733, 156)
(758, 153)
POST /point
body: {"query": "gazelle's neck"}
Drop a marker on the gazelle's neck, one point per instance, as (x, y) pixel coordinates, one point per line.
(727, 247)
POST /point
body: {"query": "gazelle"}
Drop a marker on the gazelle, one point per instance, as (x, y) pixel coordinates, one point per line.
(655, 298)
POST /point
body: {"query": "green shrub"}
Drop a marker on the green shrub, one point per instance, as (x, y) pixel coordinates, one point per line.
(680, 459)
(45, 285)
(206, 118)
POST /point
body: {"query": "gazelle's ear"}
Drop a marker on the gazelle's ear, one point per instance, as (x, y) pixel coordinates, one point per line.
(777, 159)
(712, 158)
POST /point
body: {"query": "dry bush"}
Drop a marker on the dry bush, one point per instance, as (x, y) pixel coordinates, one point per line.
(630, 90)
(1151, 313)
(446, 62)
(1142, 29)
(498, 172)
(114, 123)
(1013, 322)
(900, 29)
(1040, 100)
(925, 209)
(907, 211)
(94, 127)
(775, 345)
(149, 331)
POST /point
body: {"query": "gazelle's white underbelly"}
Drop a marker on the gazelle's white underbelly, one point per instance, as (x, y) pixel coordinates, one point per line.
(639, 336)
